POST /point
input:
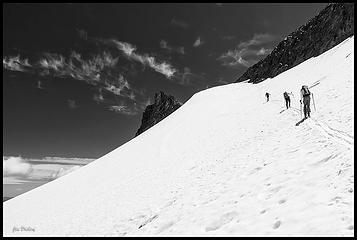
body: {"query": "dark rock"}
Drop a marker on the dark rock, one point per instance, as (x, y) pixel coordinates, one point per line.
(163, 106)
(330, 27)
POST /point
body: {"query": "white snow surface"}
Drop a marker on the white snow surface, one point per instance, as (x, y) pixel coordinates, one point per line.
(226, 163)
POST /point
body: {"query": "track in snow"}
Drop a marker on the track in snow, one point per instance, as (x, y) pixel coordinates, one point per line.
(331, 133)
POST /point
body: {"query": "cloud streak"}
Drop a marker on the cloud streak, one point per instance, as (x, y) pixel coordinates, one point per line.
(247, 53)
(129, 51)
(97, 70)
(258, 39)
(15, 63)
(129, 110)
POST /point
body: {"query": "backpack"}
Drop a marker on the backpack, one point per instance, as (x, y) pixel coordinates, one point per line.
(306, 91)
(286, 95)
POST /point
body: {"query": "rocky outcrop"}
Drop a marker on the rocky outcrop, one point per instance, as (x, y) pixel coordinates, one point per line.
(330, 27)
(163, 106)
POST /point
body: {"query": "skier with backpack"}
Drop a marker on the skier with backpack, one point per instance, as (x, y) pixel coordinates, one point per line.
(267, 95)
(305, 99)
(287, 99)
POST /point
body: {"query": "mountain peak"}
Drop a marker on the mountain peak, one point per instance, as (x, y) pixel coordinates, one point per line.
(330, 27)
(163, 106)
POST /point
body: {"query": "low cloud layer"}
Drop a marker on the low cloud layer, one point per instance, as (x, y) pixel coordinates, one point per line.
(16, 166)
(18, 169)
(249, 52)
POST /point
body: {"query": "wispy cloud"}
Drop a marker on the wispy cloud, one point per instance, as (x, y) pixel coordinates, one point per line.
(75, 66)
(97, 70)
(233, 58)
(15, 63)
(179, 23)
(264, 51)
(100, 70)
(130, 109)
(188, 78)
(164, 45)
(129, 50)
(164, 67)
(52, 61)
(108, 69)
(248, 52)
(258, 39)
(121, 109)
(117, 86)
(125, 109)
(99, 98)
(198, 42)
(90, 70)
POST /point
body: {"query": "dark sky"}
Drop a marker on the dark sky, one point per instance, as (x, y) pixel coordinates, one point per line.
(77, 77)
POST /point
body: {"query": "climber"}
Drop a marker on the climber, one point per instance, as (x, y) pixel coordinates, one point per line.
(305, 99)
(287, 99)
(267, 95)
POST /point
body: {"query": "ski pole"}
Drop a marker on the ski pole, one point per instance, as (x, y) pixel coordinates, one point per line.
(293, 96)
(313, 101)
(300, 108)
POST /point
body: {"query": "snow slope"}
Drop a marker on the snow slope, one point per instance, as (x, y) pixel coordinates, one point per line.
(225, 163)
